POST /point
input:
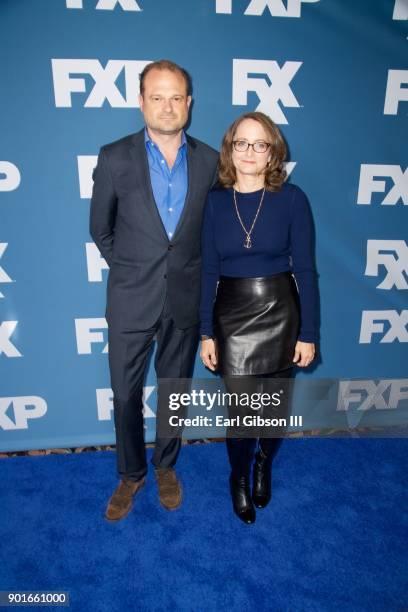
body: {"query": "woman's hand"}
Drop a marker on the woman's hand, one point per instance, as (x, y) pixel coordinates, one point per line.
(208, 354)
(304, 353)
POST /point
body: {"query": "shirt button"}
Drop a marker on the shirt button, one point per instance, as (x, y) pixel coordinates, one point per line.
(169, 184)
(162, 161)
(170, 210)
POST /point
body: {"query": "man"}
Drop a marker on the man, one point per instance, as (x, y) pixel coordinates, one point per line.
(146, 212)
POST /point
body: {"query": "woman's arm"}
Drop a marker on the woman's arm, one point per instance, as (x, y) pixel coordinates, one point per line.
(304, 270)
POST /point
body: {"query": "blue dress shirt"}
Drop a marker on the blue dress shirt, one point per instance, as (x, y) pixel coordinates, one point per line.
(169, 186)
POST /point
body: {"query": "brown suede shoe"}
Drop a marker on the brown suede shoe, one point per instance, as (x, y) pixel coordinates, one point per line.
(170, 491)
(120, 504)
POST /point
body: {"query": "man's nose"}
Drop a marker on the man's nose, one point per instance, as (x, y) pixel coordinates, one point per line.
(168, 106)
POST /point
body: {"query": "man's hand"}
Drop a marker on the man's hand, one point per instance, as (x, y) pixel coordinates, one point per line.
(208, 354)
(304, 353)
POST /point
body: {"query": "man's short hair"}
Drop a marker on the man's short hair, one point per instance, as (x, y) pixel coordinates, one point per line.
(164, 64)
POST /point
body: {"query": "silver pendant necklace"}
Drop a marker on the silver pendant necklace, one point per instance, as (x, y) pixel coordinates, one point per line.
(248, 240)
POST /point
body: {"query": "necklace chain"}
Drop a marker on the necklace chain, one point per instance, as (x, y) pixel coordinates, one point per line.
(248, 240)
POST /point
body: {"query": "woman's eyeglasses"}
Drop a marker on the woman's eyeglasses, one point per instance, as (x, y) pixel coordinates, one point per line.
(243, 145)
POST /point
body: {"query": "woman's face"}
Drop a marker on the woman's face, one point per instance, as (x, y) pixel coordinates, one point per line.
(249, 162)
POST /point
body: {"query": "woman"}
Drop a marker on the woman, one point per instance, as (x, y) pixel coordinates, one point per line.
(255, 320)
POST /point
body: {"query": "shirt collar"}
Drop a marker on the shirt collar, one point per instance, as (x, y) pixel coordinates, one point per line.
(149, 141)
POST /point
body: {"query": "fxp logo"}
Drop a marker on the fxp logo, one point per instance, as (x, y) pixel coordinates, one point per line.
(276, 8)
(104, 88)
(365, 395)
(15, 412)
(106, 5)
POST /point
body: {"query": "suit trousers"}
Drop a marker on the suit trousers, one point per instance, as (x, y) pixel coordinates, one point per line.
(129, 353)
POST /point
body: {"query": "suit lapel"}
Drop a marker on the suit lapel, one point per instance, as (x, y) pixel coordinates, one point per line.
(192, 173)
(141, 168)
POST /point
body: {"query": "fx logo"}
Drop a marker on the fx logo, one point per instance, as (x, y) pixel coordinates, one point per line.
(86, 165)
(95, 263)
(372, 322)
(396, 92)
(369, 394)
(400, 10)
(257, 7)
(269, 81)
(6, 346)
(369, 185)
(289, 167)
(104, 402)
(9, 176)
(393, 255)
(23, 409)
(104, 78)
(106, 5)
(86, 334)
(4, 277)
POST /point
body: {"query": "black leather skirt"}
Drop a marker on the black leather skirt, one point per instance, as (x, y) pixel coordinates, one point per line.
(256, 324)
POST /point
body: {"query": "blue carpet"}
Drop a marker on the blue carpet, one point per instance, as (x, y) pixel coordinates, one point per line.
(334, 536)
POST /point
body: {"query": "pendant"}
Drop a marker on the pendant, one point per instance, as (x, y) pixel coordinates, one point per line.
(248, 242)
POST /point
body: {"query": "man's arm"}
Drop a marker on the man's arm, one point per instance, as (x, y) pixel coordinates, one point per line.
(103, 208)
(215, 177)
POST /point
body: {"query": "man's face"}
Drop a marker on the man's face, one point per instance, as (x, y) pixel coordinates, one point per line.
(165, 102)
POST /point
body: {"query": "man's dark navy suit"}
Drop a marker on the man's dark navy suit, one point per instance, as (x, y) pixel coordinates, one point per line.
(153, 286)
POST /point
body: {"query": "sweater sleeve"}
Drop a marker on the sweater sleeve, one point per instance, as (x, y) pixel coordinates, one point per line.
(303, 265)
(210, 272)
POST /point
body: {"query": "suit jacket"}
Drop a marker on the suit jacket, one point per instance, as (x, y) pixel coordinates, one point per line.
(125, 224)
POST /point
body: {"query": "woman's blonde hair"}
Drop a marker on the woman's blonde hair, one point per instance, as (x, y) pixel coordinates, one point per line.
(275, 172)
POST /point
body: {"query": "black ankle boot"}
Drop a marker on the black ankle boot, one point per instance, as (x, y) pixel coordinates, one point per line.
(241, 499)
(261, 488)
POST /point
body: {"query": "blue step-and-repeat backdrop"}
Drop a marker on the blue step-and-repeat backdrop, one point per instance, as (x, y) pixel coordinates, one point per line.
(332, 73)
